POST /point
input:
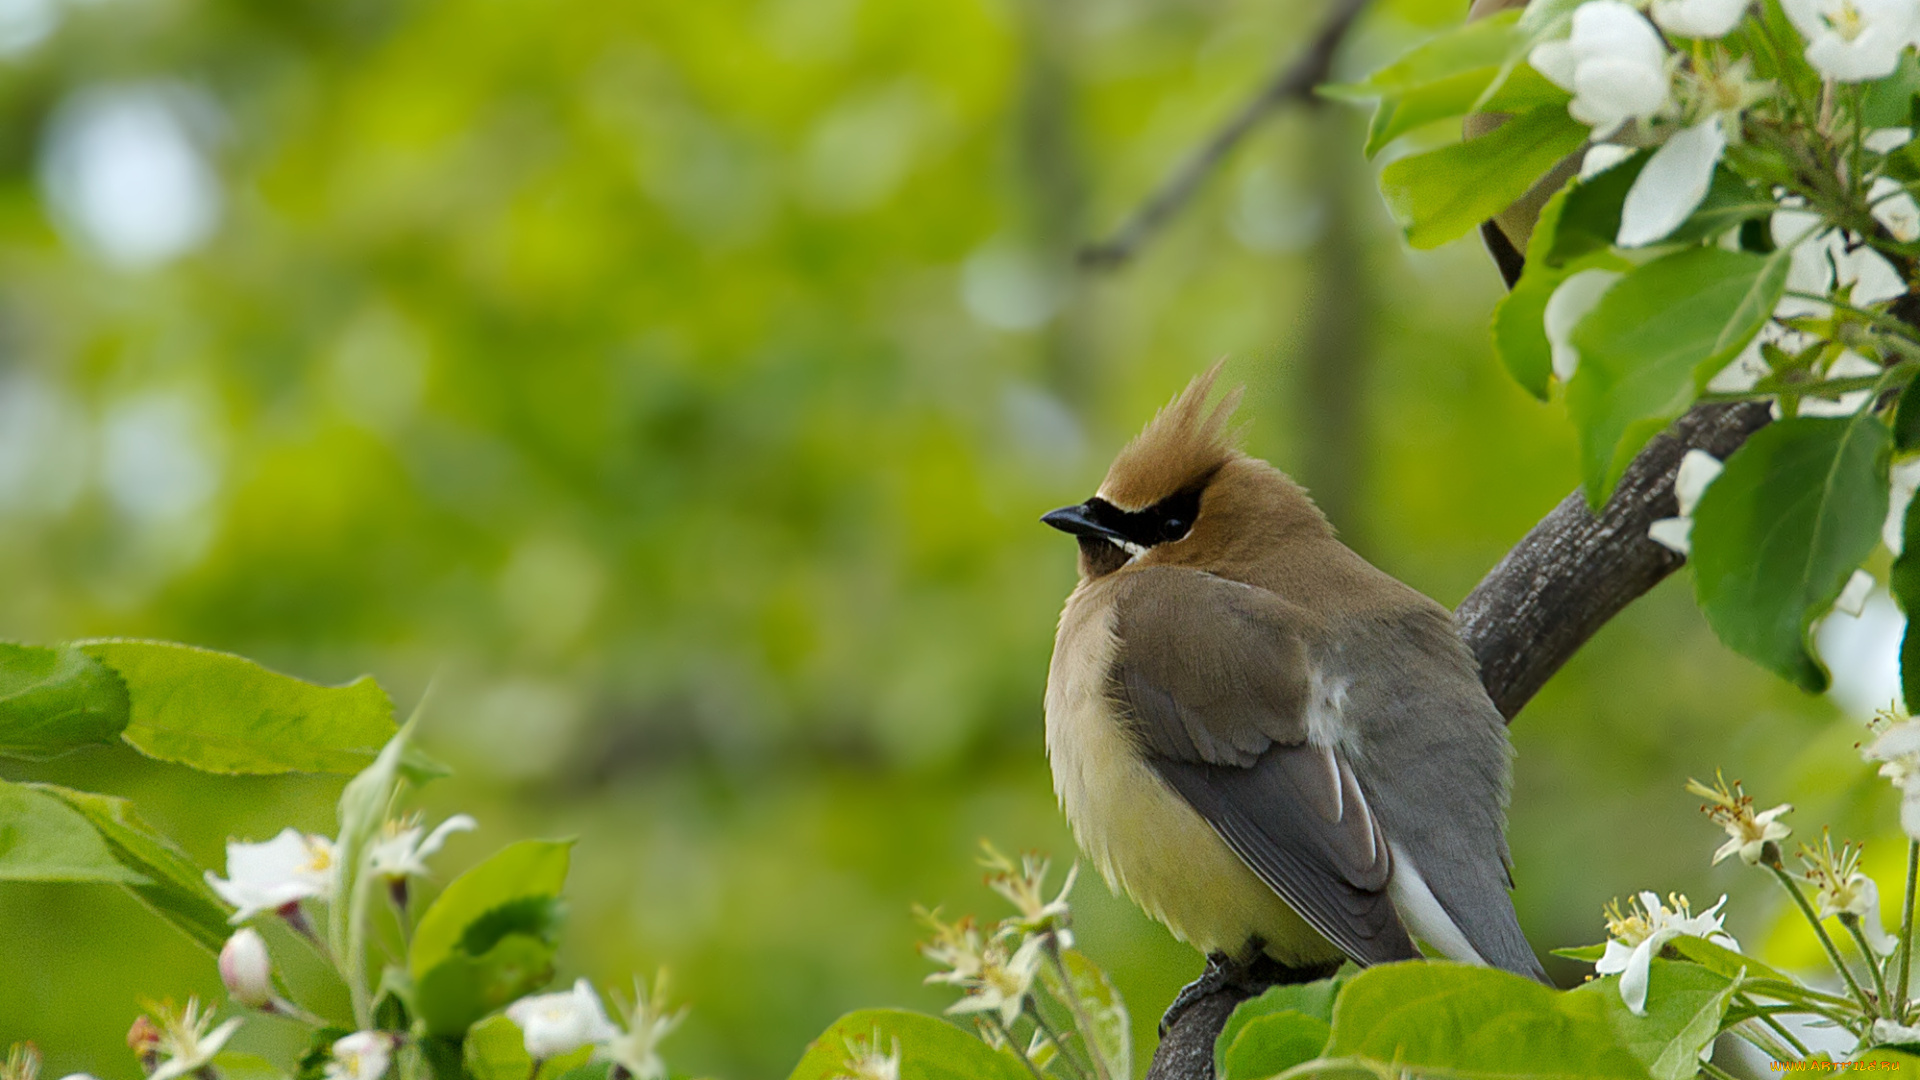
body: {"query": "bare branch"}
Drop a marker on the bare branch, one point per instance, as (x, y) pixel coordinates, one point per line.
(1291, 82)
(1562, 581)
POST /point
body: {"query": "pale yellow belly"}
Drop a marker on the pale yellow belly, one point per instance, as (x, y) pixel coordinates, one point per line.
(1142, 836)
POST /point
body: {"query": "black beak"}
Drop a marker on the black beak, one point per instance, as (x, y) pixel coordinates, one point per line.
(1079, 521)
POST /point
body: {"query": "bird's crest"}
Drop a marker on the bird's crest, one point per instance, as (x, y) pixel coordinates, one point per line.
(1181, 446)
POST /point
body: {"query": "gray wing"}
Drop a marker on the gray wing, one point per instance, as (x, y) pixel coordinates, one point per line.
(1213, 677)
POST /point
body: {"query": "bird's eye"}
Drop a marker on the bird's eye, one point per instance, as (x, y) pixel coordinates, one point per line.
(1174, 529)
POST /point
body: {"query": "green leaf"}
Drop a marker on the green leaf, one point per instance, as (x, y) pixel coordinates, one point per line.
(1274, 1043)
(1521, 90)
(1589, 218)
(1776, 536)
(232, 1066)
(1474, 1023)
(168, 882)
(1466, 48)
(930, 1049)
(1906, 419)
(1685, 1003)
(529, 868)
(363, 808)
(464, 987)
(1105, 1009)
(57, 699)
(223, 713)
(496, 1049)
(1657, 335)
(1313, 999)
(1888, 102)
(1444, 193)
(1904, 582)
(1730, 200)
(1724, 961)
(1586, 954)
(43, 839)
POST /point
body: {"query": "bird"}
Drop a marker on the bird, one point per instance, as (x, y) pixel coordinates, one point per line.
(1277, 750)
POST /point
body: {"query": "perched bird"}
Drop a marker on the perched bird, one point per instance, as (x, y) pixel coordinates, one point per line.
(1272, 746)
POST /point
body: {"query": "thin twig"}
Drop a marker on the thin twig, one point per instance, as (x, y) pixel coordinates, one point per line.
(1819, 931)
(1901, 986)
(1291, 82)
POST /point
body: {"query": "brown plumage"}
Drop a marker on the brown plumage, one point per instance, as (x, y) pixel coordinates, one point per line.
(1268, 743)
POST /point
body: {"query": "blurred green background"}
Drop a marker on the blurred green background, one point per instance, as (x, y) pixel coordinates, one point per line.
(676, 386)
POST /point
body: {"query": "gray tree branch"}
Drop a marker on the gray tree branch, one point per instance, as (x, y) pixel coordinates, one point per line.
(1293, 81)
(1562, 581)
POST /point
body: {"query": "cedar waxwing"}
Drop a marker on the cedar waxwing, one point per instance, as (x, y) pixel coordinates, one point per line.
(1269, 744)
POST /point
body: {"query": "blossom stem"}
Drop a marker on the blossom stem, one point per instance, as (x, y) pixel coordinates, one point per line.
(1900, 986)
(1779, 1029)
(1813, 919)
(1852, 923)
(1059, 1044)
(1000, 1026)
(1716, 1071)
(1080, 1018)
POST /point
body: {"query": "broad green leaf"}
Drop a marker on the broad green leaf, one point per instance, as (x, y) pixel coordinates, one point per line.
(56, 699)
(1313, 999)
(1589, 218)
(1904, 582)
(1684, 1005)
(1519, 319)
(363, 807)
(223, 713)
(1444, 193)
(1724, 961)
(1776, 536)
(1656, 336)
(1107, 1011)
(1467, 47)
(1888, 102)
(1473, 1023)
(1586, 954)
(930, 1049)
(170, 884)
(1906, 419)
(1272, 1044)
(231, 1066)
(44, 839)
(1522, 90)
(465, 987)
(496, 1049)
(529, 868)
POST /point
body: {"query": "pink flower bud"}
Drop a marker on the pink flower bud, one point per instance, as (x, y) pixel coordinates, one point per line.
(246, 969)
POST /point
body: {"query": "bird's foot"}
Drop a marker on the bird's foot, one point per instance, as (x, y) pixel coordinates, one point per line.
(1240, 978)
(1222, 972)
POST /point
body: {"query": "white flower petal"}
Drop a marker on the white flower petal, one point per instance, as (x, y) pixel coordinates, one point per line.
(1853, 597)
(1904, 477)
(1633, 981)
(1674, 533)
(1698, 469)
(1570, 303)
(1746, 370)
(1887, 140)
(1603, 156)
(1698, 18)
(1895, 209)
(1672, 184)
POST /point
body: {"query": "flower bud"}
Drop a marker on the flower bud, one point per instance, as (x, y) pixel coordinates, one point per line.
(246, 969)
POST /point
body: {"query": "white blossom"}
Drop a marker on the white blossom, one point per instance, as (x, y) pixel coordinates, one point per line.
(1897, 748)
(1697, 470)
(1822, 262)
(401, 852)
(1637, 936)
(554, 1024)
(1613, 63)
(363, 1055)
(1570, 303)
(1887, 140)
(1003, 981)
(1672, 184)
(1699, 18)
(866, 1061)
(291, 867)
(1853, 40)
(1887, 1032)
(1853, 596)
(185, 1041)
(246, 970)
(1602, 156)
(1895, 208)
(648, 1021)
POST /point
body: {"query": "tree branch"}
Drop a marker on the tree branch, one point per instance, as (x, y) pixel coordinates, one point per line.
(1292, 81)
(1562, 581)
